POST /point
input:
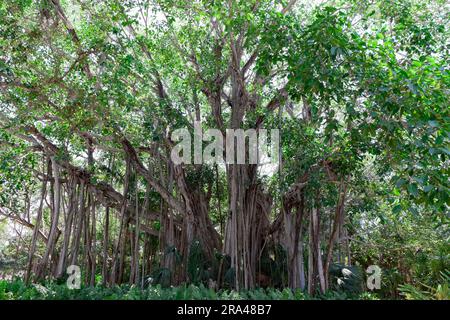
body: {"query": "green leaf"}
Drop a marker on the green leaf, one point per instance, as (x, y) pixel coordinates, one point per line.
(433, 123)
(412, 189)
(400, 182)
(397, 209)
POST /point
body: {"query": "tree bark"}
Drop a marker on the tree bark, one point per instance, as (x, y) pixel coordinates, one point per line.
(52, 237)
(79, 225)
(36, 230)
(117, 269)
(67, 228)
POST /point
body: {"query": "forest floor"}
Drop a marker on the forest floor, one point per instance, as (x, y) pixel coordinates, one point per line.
(18, 290)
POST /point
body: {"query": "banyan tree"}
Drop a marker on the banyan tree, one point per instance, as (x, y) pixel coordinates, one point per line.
(92, 91)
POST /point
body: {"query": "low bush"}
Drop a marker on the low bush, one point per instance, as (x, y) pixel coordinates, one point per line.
(18, 290)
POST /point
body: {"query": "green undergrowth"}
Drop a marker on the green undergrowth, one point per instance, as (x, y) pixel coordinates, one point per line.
(18, 290)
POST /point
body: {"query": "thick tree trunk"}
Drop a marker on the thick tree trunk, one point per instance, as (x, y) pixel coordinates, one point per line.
(87, 241)
(119, 252)
(311, 269)
(134, 267)
(247, 225)
(197, 223)
(67, 228)
(93, 239)
(105, 276)
(337, 225)
(315, 220)
(293, 242)
(36, 231)
(56, 203)
(79, 225)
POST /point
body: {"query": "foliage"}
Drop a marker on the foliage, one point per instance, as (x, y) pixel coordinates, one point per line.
(17, 290)
(94, 89)
(440, 292)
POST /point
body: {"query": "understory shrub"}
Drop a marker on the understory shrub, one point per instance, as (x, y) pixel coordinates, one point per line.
(18, 290)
